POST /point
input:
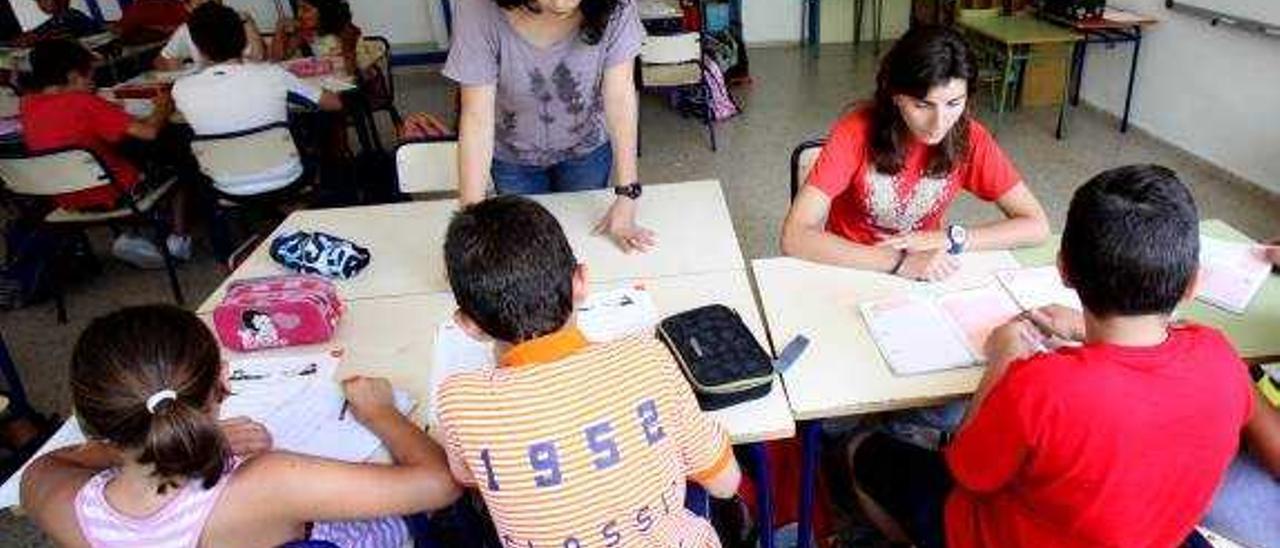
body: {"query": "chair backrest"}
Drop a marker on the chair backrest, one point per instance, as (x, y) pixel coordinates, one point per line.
(243, 154)
(54, 172)
(802, 160)
(374, 50)
(671, 49)
(427, 165)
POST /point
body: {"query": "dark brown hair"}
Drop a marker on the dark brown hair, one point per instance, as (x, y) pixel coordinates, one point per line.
(596, 15)
(925, 57)
(125, 357)
(510, 268)
(53, 61)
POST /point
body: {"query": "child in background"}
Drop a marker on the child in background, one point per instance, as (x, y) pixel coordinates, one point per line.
(323, 29)
(596, 441)
(230, 95)
(162, 470)
(181, 48)
(62, 110)
(1118, 442)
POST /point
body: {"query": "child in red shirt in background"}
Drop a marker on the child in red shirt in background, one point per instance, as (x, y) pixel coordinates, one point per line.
(61, 110)
(1120, 441)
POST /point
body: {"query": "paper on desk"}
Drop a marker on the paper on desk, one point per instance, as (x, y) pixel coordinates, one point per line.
(1035, 287)
(603, 317)
(617, 313)
(915, 336)
(300, 403)
(976, 270)
(1230, 274)
(978, 312)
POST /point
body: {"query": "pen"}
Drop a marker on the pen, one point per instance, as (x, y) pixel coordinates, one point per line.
(342, 415)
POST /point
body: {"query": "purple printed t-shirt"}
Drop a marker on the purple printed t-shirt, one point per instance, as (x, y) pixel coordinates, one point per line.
(549, 105)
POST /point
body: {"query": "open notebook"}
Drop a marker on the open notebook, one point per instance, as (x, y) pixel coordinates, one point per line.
(604, 316)
(1231, 274)
(918, 333)
(300, 403)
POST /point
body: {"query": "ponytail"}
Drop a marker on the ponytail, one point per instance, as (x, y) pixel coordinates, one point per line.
(145, 378)
(183, 441)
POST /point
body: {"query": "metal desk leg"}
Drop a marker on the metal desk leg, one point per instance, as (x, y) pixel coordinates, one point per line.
(764, 493)
(1077, 65)
(1006, 80)
(858, 6)
(1066, 93)
(811, 448)
(879, 7)
(814, 22)
(1133, 72)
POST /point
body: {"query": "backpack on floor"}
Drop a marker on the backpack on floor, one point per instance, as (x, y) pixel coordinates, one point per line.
(26, 276)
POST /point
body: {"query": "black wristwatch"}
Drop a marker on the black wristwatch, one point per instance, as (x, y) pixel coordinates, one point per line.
(633, 190)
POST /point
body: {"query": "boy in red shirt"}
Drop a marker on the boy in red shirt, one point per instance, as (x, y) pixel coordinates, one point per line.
(63, 111)
(1120, 441)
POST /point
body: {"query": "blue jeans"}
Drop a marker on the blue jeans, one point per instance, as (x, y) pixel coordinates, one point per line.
(588, 172)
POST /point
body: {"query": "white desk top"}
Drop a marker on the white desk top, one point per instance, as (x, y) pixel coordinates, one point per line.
(394, 337)
(691, 220)
(842, 372)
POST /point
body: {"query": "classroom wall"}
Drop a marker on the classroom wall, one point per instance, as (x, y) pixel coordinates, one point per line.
(401, 21)
(1209, 90)
(779, 21)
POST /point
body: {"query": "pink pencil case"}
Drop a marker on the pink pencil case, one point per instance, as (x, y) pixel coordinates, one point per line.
(309, 67)
(277, 311)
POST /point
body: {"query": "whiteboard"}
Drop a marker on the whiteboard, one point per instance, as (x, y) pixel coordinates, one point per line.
(264, 12)
(1262, 11)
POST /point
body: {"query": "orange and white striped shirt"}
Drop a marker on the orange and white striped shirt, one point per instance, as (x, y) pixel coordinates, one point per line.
(575, 445)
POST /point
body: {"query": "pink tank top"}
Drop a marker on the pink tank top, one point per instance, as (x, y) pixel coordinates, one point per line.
(177, 524)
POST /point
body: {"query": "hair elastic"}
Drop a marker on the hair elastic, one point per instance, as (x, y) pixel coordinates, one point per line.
(159, 397)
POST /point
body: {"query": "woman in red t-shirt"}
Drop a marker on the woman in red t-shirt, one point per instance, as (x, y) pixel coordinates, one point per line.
(877, 196)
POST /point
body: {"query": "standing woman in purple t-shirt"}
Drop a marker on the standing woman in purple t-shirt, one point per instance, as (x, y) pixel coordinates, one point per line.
(549, 101)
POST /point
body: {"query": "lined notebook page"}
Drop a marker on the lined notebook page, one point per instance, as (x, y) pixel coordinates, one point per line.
(915, 336)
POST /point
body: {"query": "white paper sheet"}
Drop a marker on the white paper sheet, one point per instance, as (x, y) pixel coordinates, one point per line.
(300, 403)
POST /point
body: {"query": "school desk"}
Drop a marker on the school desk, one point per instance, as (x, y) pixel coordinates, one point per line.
(844, 374)
(1013, 41)
(1114, 27)
(406, 240)
(1255, 334)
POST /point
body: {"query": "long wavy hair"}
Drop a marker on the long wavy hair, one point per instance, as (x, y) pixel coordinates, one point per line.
(596, 15)
(925, 57)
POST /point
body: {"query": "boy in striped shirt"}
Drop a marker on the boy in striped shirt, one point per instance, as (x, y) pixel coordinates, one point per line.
(571, 443)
